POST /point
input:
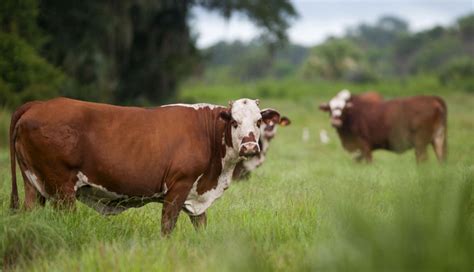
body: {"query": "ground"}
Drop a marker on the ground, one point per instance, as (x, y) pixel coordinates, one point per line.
(309, 207)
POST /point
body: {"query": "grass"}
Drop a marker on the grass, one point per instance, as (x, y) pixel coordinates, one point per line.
(309, 207)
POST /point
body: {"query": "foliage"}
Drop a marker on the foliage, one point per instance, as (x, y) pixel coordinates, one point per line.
(239, 61)
(459, 73)
(19, 17)
(122, 51)
(138, 51)
(24, 74)
(337, 59)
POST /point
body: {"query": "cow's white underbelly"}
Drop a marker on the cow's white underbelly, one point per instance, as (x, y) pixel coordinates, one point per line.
(107, 202)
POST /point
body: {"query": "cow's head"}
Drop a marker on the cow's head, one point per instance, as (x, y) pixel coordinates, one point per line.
(337, 106)
(245, 120)
(269, 130)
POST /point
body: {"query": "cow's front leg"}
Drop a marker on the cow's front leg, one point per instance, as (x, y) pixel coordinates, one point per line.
(199, 221)
(172, 205)
(366, 151)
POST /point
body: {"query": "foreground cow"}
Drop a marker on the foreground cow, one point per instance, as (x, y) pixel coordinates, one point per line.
(267, 133)
(113, 158)
(366, 123)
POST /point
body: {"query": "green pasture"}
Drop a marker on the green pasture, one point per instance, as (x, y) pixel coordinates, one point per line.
(308, 208)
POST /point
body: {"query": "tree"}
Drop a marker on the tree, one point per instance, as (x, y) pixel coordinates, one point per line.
(134, 51)
(24, 74)
(337, 59)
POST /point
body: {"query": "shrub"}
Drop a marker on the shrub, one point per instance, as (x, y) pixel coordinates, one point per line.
(458, 73)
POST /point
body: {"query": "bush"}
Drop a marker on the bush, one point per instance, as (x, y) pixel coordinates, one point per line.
(24, 75)
(458, 73)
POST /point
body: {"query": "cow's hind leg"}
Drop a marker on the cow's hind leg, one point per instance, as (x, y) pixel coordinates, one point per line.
(65, 197)
(439, 144)
(172, 205)
(32, 195)
(420, 152)
(199, 221)
(61, 183)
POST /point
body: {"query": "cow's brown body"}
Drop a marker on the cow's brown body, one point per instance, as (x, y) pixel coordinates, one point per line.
(113, 158)
(396, 125)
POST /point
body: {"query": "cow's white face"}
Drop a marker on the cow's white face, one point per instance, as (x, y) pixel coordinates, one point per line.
(336, 107)
(246, 120)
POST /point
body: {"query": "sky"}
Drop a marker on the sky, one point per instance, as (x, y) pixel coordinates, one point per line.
(319, 19)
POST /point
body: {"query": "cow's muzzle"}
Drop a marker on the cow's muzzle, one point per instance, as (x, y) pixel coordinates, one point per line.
(336, 122)
(249, 149)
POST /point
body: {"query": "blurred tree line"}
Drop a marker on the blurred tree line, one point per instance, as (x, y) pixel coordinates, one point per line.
(388, 49)
(365, 53)
(231, 61)
(120, 51)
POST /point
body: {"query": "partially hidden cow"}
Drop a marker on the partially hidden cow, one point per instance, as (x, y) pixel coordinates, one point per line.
(366, 122)
(113, 158)
(267, 133)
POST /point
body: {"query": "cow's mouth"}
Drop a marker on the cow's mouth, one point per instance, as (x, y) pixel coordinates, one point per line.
(336, 122)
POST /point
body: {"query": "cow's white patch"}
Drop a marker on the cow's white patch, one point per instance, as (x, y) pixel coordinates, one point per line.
(36, 183)
(194, 106)
(107, 202)
(197, 204)
(338, 103)
(246, 113)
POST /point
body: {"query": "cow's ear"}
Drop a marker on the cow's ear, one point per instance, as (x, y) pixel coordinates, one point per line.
(225, 115)
(324, 107)
(269, 115)
(284, 121)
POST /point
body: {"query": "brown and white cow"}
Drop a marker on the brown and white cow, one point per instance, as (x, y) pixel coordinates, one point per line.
(113, 158)
(267, 133)
(366, 123)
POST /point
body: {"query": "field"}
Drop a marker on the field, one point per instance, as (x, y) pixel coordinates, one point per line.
(309, 207)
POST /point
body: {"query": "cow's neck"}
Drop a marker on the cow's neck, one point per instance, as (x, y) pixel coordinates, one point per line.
(211, 184)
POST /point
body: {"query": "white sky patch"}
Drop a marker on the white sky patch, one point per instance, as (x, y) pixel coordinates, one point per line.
(212, 28)
(322, 18)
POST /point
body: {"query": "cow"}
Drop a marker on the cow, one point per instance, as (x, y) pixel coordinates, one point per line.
(267, 133)
(368, 123)
(113, 158)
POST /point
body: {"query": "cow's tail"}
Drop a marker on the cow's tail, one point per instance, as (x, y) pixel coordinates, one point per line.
(440, 137)
(14, 200)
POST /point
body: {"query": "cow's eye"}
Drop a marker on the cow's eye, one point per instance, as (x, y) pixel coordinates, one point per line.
(234, 124)
(259, 123)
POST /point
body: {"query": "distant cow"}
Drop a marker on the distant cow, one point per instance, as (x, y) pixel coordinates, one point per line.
(267, 133)
(366, 123)
(113, 158)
